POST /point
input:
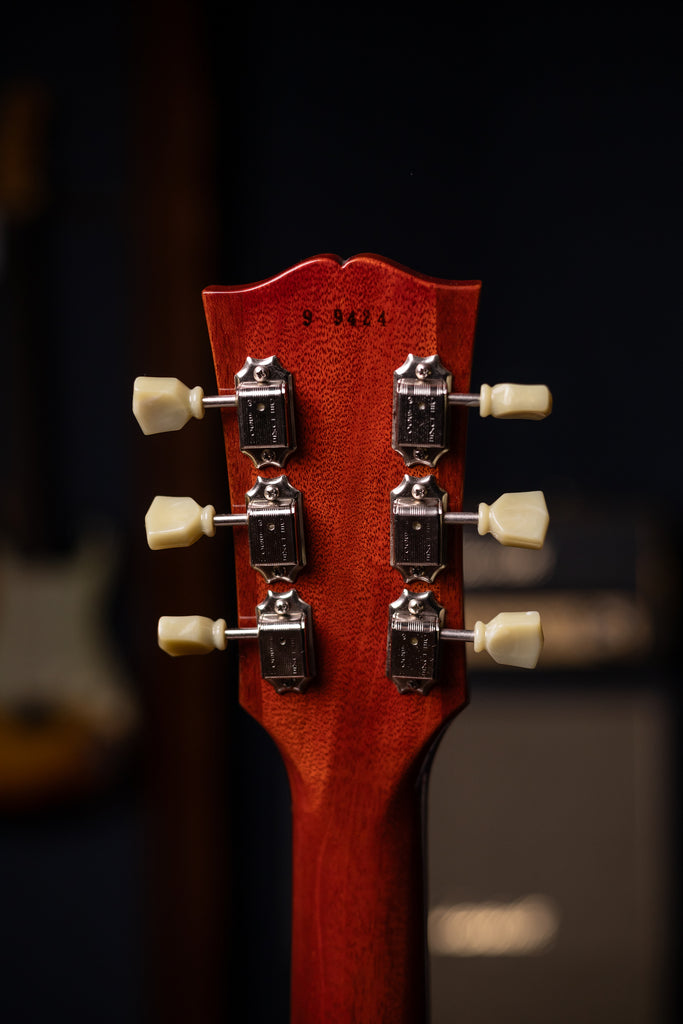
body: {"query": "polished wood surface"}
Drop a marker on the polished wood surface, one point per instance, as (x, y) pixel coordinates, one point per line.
(353, 747)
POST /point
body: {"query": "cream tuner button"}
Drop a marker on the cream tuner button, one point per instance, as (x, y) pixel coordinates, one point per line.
(511, 638)
(515, 401)
(191, 634)
(177, 522)
(162, 404)
(517, 520)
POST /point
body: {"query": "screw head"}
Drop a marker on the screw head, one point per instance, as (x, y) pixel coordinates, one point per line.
(267, 455)
(419, 454)
(414, 607)
(281, 606)
(422, 371)
(260, 373)
(418, 491)
(271, 492)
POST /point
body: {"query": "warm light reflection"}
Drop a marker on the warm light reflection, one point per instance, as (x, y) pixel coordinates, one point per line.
(524, 927)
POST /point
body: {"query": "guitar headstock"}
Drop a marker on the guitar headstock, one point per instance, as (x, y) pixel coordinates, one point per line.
(341, 330)
(346, 373)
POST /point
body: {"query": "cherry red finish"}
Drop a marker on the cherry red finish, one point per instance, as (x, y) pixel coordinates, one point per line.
(353, 746)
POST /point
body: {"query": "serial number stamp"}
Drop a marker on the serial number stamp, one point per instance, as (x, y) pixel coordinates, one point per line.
(339, 317)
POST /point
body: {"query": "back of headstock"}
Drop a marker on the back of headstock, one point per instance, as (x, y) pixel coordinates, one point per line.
(341, 330)
(371, 362)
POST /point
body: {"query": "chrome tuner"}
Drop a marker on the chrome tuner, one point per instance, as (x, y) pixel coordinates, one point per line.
(274, 520)
(264, 398)
(419, 514)
(416, 631)
(422, 396)
(284, 630)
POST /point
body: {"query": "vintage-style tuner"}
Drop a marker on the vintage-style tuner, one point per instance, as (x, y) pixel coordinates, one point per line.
(273, 517)
(416, 631)
(419, 512)
(284, 630)
(263, 397)
(422, 397)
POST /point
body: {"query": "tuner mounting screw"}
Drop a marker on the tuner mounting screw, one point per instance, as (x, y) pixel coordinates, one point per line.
(260, 373)
(271, 492)
(266, 455)
(421, 371)
(418, 491)
(281, 607)
(418, 454)
(414, 607)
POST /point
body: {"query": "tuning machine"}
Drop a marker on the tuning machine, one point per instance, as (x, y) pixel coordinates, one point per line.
(284, 630)
(422, 397)
(419, 514)
(274, 520)
(264, 399)
(416, 631)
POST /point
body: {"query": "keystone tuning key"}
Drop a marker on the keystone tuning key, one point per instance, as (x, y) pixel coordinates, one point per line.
(284, 630)
(422, 398)
(416, 631)
(419, 514)
(263, 397)
(274, 519)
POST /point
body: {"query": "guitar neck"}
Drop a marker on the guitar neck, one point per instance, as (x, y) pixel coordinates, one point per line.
(358, 937)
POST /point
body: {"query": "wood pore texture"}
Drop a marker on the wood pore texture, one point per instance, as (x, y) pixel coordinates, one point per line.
(353, 747)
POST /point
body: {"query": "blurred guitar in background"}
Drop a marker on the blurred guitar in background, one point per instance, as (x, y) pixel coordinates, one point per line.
(67, 711)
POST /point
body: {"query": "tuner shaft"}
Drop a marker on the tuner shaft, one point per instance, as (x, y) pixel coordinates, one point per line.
(217, 401)
(458, 634)
(469, 400)
(461, 518)
(241, 634)
(238, 519)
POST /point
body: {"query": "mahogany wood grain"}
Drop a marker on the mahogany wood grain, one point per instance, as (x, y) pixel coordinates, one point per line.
(353, 747)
